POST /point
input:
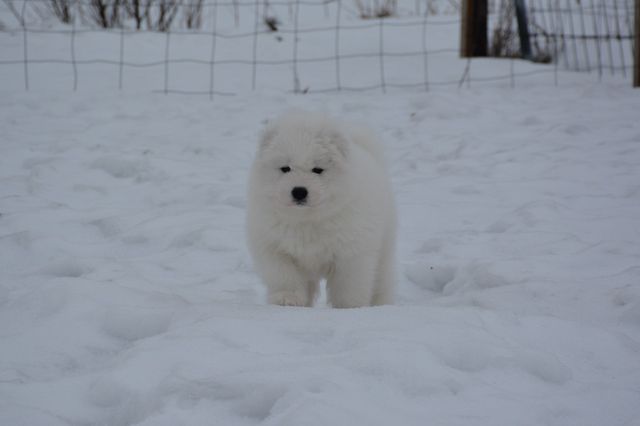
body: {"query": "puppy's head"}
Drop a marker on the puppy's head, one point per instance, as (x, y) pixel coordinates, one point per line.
(301, 167)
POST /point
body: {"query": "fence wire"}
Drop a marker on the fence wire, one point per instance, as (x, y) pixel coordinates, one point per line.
(587, 35)
(221, 48)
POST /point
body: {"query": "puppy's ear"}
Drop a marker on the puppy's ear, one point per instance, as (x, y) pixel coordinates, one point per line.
(339, 142)
(267, 136)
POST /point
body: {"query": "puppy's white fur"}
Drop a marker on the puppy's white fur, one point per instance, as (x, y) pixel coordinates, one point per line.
(344, 231)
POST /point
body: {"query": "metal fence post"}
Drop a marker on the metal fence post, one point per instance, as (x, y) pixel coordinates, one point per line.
(636, 54)
(473, 28)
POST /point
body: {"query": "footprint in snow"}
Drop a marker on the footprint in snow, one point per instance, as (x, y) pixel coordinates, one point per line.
(429, 277)
(121, 168)
(66, 270)
(499, 227)
(134, 324)
(450, 280)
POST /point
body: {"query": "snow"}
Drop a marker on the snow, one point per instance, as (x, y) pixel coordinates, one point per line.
(127, 295)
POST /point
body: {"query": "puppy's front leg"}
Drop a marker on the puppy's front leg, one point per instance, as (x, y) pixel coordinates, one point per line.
(286, 284)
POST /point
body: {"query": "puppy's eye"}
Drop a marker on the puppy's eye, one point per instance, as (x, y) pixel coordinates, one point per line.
(317, 170)
(285, 169)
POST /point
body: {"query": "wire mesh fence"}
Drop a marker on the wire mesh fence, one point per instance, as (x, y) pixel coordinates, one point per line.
(586, 35)
(225, 47)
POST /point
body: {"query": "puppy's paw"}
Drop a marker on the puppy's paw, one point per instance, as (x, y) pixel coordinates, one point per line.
(288, 298)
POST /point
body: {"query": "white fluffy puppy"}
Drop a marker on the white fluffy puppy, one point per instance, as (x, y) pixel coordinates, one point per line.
(320, 206)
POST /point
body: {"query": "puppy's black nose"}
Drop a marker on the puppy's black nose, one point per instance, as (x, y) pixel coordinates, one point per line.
(299, 193)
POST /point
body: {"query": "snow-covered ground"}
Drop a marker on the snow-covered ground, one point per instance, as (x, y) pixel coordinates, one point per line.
(127, 295)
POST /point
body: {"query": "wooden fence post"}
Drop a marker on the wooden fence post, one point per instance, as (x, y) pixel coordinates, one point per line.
(636, 55)
(473, 29)
(523, 29)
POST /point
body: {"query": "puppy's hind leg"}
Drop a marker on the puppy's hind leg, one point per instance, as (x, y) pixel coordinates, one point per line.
(351, 283)
(385, 279)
